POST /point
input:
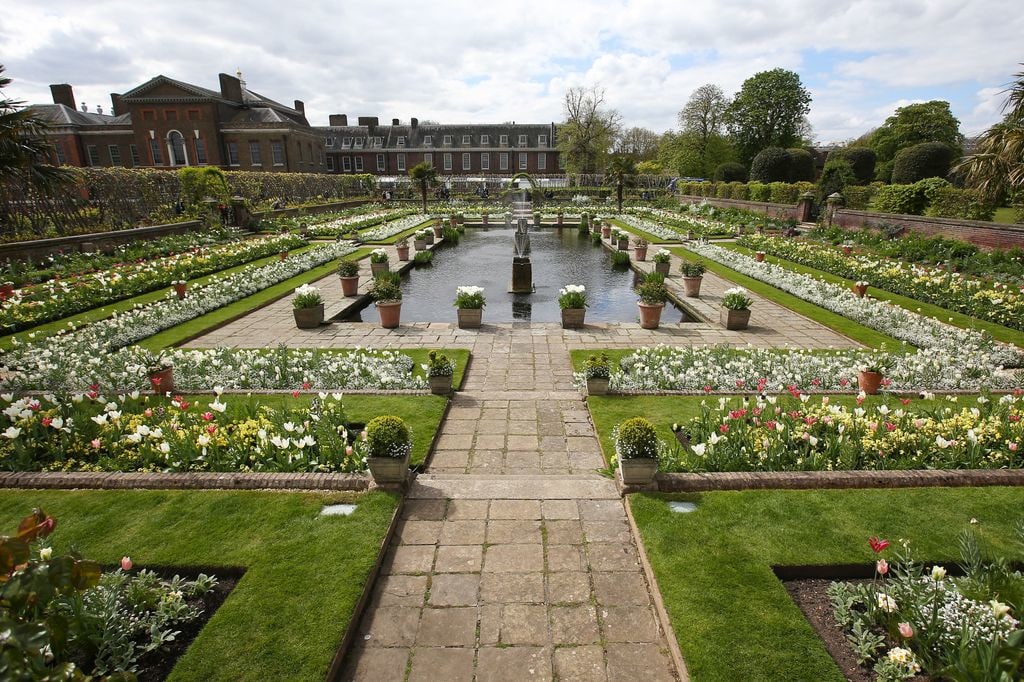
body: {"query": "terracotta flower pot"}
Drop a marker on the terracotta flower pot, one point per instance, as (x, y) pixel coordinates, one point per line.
(691, 286)
(650, 315)
(734, 319)
(869, 382)
(284, 254)
(309, 318)
(469, 318)
(350, 285)
(623, 244)
(638, 471)
(403, 252)
(847, 250)
(597, 386)
(378, 268)
(390, 314)
(181, 291)
(759, 256)
(440, 385)
(860, 289)
(606, 232)
(389, 470)
(162, 381)
(572, 318)
(640, 253)
(662, 268)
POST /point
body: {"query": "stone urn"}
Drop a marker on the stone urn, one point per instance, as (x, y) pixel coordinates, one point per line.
(162, 381)
(181, 289)
(441, 385)
(378, 268)
(869, 382)
(662, 268)
(470, 318)
(390, 314)
(734, 319)
(650, 315)
(691, 286)
(759, 256)
(640, 253)
(309, 318)
(389, 470)
(638, 471)
(597, 386)
(403, 252)
(350, 285)
(572, 318)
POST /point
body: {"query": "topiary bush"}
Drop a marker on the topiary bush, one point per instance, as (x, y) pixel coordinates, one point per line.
(835, 177)
(636, 438)
(925, 160)
(731, 171)
(388, 436)
(801, 165)
(771, 164)
(862, 159)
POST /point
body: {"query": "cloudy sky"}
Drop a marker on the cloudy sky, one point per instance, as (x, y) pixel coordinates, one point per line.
(455, 61)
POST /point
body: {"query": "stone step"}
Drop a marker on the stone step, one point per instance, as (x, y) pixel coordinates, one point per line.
(489, 487)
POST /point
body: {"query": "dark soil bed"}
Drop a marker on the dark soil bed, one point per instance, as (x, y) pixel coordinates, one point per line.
(156, 665)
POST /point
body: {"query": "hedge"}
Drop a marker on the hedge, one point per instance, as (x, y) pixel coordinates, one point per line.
(771, 164)
(925, 160)
(862, 159)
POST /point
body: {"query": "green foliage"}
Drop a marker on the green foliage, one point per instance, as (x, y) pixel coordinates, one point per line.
(590, 127)
(925, 160)
(951, 202)
(438, 365)
(769, 110)
(913, 124)
(738, 190)
(636, 438)
(388, 436)
(784, 193)
(859, 197)
(759, 191)
(731, 171)
(423, 257)
(862, 159)
(772, 164)
(836, 176)
(652, 292)
(597, 366)
(801, 165)
(386, 288)
(348, 268)
(470, 298)
(692, 268)
(199, 183)
(620, 259)
(903, 199)
(736, 298)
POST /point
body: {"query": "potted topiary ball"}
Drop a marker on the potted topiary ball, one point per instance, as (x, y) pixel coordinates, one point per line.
(597, 370)
(653, 295)
(308, 307)
(693, 275)
(388, 448)
(470, 302)
(662, 259)
(735, 312)
(636, 445)
(348, 272)
(378, 262)
(439, 373)
(387, 293)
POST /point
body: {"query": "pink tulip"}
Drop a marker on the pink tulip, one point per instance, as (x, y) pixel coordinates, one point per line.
(349, 450)
(126, 563)
(882, 566)
(95, 442)
(906, 631)
(1013, 447)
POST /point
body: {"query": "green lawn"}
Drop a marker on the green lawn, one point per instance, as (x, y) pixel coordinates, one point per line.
(640, 233)
(998, 331)
(854, 330)
(304, 573)
(734, 619)
(187, 331)
(1005, 214)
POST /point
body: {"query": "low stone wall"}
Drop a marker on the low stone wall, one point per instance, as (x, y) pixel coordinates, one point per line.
(980, 233)
(41, 248)
(781, 211)
(805, 480)
(186, 481)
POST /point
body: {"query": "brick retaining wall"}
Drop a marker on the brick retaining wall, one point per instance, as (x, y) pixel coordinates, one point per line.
(980, 233)
(41, 248)
(781, 211)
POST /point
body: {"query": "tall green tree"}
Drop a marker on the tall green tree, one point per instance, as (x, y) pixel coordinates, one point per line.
(589, 131)
(770, 110)
(620, 172)
(996, 167)
(913, 124)
(638, 143)
(703, 118)
(424, 175)
(24, 150)
(687, 155)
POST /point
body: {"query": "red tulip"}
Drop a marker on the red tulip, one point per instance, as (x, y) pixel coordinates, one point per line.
(877, 544)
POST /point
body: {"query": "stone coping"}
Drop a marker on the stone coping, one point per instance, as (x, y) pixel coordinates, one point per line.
(835, 480)
(183, 481)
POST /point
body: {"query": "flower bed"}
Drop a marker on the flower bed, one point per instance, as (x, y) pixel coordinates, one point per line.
(722, 369)
(804, 433)
(334, 226)
(80, 357)
(54, 299)
(882, 316)
(392, 227)
(133, 433)
(685, 221)
(991, 301)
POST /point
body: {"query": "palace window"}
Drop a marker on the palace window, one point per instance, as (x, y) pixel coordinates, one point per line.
(115, 154)
(255, 154)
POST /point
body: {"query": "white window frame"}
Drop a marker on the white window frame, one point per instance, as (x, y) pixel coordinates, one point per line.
(92, 152)
(346, 143)
(114, 151)
(330, 163)
(358, 144)
(542, 161)
(524, 161)
(485, 139)
(401, 141)
(467, 161)
(428, 158)
(428, 140)
(346, 164)
(542, 140)
(446, 140)
(503, 161)
(330, 142)
(485, 161)
(133, 152)
(467, 139)
(378, 141)
(381, 165)
(277, 150)
(503, 140)
(359, 164)
(523, 141)
(447, 161)
(233, 146)
(259, 154)
(170, 149)
(400, 162)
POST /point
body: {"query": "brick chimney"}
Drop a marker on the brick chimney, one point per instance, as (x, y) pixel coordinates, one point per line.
(338, 119)
(394, 121)
(369, 121)
(230, 88)
(116, 109)
(63, 94)
(300, 107)
(414, 122)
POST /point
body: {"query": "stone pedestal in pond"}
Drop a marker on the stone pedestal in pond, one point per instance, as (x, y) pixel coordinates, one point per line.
(522, 275)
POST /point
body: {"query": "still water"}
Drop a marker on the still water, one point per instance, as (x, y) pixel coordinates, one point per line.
(484, 258)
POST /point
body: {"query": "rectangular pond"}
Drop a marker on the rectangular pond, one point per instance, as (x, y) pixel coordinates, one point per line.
(483, 258)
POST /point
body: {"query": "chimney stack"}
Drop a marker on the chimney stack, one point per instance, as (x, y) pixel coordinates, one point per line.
(63, 94)
(414, 122)
(394, 121)
(115, 104)
(369, 121)
(338, 119)
(230, 88)
(300, 107)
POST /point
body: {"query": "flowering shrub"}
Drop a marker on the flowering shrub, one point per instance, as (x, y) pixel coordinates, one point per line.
(801, 433)
(333, 225)
(636, 438)
(470, 298)
(392, 227)
(438, 365)
(379, 256)
(692, 268)
(992, 301)
(909, 619)
(652, 291)
(52, 300)
(597, 367)
(662, 256)
(736, 298)
(348, 268)
(572, 296)
(307, 296)
(388, 436)
(94, 432)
